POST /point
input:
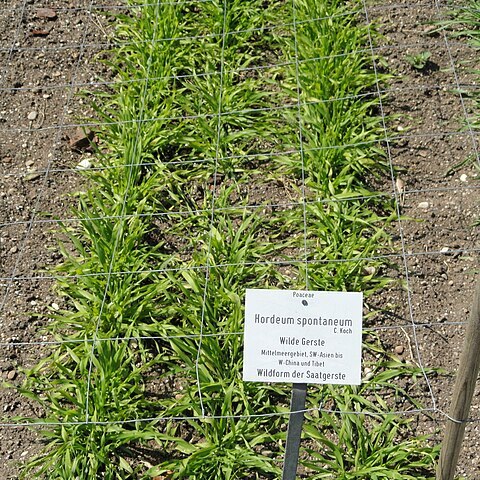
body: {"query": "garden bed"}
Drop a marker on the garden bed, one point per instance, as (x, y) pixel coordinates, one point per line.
(243, 196)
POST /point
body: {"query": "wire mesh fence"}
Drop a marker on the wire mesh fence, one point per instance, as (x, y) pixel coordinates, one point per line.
(427, 131)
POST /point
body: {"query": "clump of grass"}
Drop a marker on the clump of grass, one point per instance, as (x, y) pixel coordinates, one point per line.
(92, 384)
(352, 446)
(97, 447)
(332, 79)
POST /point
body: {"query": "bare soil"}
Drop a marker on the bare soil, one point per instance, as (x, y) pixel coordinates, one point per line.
(437, 238)
(42, 63)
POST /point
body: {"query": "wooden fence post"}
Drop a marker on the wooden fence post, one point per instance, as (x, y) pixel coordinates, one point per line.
(462, 394)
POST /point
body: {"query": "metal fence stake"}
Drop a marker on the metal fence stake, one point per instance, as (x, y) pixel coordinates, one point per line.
(462, 394)
(294, 433)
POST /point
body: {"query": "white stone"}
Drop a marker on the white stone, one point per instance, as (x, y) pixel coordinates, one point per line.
(463, 177)
(32, 115)
(85, 164)
(423, 205)
(370, 270)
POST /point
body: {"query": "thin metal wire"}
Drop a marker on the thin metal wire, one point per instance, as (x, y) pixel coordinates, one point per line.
(169, 39)
(72, 341)
(241, 70)
(252, 110)
(118, 6)
(273, 262)
(120, 232)
(11, 49)
(458, 89)
(212, 212)
(236, 208)
(160, 419)
(399, 216)
(281, 26)
(152, 119)
(300, 141)
(194, 2)
(133, 6)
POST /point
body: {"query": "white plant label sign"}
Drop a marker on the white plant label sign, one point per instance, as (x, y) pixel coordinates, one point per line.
(298, 336)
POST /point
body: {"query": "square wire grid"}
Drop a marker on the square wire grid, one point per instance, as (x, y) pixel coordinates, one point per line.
(25, 225)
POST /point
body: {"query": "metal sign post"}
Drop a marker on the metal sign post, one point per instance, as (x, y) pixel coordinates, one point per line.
(294, 433)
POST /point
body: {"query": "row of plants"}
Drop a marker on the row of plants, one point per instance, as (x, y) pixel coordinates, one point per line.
(237, 148)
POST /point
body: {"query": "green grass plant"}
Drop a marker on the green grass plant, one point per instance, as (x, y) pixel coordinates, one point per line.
(340, 135)
(354, 447)
(97, 449)
(218, 313)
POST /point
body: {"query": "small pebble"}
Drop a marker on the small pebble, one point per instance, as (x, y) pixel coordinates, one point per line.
(29, 163)
(32, 115)
(55, 306)
(85, 164)
(444, 250)
(399, 349)
(14, 249)
(400, 184)
(370, 270)
(423, 205)
(32, 176)
(368, 372)
(463, 177)
(47, 13)
(11, 375)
